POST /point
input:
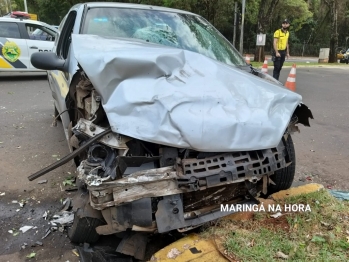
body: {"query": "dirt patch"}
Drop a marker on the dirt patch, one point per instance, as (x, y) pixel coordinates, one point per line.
(16, 245)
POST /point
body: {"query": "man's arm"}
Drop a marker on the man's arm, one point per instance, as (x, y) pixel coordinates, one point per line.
(275, 44)
(288, 50)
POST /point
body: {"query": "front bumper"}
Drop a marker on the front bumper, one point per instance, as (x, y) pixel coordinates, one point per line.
(185, 195)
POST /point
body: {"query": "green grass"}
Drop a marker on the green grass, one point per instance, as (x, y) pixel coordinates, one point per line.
(302, 64)
(319, 235)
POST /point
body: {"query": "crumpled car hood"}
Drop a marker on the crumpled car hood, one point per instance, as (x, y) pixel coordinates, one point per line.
(183, 99)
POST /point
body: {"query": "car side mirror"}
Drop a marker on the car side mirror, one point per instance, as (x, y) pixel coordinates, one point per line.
(47, 61)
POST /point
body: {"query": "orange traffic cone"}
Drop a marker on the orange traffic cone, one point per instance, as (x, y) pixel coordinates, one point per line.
(248, 59)
(265, 66)
(291, 79)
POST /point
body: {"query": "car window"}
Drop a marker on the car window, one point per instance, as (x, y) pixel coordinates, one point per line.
(38, 32)
(9, 29)
(185, 31)
(65, 38)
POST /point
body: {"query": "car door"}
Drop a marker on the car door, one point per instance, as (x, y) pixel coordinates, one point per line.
(60, 80)
(13, 48)
(41, 39)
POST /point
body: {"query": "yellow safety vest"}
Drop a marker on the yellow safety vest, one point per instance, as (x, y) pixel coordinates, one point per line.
(282, 39)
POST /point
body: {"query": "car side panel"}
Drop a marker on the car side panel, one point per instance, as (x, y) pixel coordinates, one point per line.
(38, 46)
(14, 54)
(59, 88)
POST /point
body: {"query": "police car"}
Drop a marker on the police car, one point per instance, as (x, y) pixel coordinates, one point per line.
(19, 39)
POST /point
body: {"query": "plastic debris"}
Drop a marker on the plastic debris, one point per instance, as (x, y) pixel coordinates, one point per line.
(31, 255)
(24, 245)
(45, 215)
(25, 228)
(2, 194)
(65, 218)
(10, 231)
(344, 195)
(278, 214)
(75, 252)
(44, 181)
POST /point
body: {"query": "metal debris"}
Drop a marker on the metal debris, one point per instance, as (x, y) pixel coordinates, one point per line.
(48, 231)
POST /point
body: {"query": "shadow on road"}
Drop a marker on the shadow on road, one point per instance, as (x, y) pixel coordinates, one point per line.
(28, 76)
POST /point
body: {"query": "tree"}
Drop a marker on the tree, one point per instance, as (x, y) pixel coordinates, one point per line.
(265, 15)
(332, 5)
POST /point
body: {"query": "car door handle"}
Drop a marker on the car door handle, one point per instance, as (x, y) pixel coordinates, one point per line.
(33, 47)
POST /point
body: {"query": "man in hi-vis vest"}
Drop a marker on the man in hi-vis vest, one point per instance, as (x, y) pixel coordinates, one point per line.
(281, 48)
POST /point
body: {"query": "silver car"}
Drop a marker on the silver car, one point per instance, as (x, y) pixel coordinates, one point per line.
(165, 121)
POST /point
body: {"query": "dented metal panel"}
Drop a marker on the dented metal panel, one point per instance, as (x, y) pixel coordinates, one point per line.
(183, 99)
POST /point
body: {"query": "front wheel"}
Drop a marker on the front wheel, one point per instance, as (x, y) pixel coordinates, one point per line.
(283, 178)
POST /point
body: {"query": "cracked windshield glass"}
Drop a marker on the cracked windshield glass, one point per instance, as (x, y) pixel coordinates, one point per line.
(178, 30)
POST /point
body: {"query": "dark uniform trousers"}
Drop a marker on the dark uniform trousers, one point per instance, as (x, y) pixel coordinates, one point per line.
(278, 63)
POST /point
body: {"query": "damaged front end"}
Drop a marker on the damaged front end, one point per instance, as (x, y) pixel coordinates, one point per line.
(135, 185)
(143, 186)
(149, 187)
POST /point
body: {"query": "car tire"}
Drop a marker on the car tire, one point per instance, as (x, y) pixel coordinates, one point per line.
(83, 229)
(283, 178)
(56, 114)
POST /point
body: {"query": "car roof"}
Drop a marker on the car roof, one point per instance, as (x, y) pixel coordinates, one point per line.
(132, 6)
(20, 20)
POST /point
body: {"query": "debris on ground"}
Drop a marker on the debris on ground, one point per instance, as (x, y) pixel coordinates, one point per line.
(2, 194)
(48, 231)
(24, 246)
(31, 255)
(281, 255)
(66, 204)
(25, 228)
(70, 180)
(45, 215)
(64, 218)
(278, 214)
(43, 181)
(75, 252)
(13, 232)
(174, 252)
(344, 195)
(36, 244)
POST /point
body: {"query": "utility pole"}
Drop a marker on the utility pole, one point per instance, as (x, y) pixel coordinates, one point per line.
(235, 22)
(25, 6)
(242, 27)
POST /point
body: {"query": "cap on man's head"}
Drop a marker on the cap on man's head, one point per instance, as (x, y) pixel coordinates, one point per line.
(286, 21)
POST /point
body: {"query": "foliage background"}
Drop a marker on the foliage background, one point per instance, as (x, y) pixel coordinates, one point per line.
(311, 28)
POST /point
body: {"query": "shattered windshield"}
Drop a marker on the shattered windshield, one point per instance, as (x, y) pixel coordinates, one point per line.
(178, 30)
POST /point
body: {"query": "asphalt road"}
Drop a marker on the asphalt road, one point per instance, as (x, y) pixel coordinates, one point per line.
(28, 143)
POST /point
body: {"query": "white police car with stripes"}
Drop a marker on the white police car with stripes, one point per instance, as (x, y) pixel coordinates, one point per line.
(19, 39)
